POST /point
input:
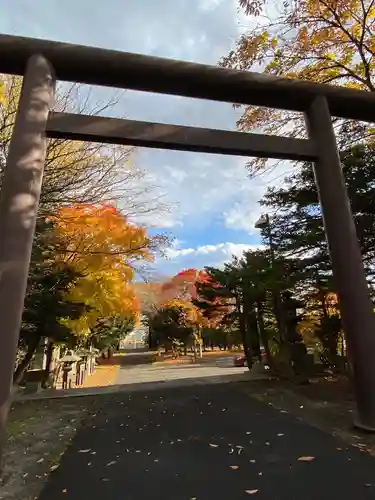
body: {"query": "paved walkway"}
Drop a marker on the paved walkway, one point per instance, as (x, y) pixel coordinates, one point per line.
(202, 443)
(160, 372)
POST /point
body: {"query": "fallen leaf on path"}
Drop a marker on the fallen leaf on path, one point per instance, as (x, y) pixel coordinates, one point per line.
(40, 461)
(280, 434)
(112, 462)
(213, 445)
(54, 467)
(84, 451)
(105, 479)
(306, 459)
(64, 490)
(251, 492)
(234, 467)
(252, 461)
(248, 432)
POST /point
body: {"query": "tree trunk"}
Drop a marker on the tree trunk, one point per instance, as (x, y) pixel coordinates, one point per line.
(49, 359)
(243, 331)
(195, 349)
(278, 311)
(253, 332)
(263, 333)
(25, 363)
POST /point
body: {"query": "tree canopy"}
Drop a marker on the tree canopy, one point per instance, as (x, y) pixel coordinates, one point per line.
(325, 41)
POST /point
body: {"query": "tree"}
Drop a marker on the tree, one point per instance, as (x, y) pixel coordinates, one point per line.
(326, 41)
(76, 174)
(182, 285)
(108, 332)
(211, 299)
(297, 226)
(246, 287)
(297, 230)
(100, 243)
(227, 288)
(150, 295)
(46, 306)
(79, 172)
(172, 324)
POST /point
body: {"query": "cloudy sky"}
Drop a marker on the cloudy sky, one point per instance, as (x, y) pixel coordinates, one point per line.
(215, 203)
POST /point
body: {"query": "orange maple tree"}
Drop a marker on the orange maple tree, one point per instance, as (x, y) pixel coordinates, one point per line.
(184, 288)
(103, 246)
(183, 285)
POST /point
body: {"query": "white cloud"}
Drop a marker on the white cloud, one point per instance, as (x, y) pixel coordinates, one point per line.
(206, 187)
(203, 188)
(205, 255)
(209, 4)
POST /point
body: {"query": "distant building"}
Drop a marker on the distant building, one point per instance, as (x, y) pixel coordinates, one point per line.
(137, 338)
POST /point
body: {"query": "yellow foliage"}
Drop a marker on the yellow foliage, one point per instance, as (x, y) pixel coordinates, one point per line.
(100, 244)
(2, 92)
(326, 41)
(100, 237)
(312, 319)
(192, 315)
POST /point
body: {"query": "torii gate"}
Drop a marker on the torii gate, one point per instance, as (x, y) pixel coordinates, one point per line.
(41, 62)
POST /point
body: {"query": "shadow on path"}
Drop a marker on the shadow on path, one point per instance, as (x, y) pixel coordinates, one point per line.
(204, 442)
(128, 359)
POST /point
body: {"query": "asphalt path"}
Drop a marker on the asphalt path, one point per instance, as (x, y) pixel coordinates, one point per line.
(205, 442)
(140, 373)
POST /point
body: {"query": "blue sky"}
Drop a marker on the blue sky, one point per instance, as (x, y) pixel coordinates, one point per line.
(214, 203)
